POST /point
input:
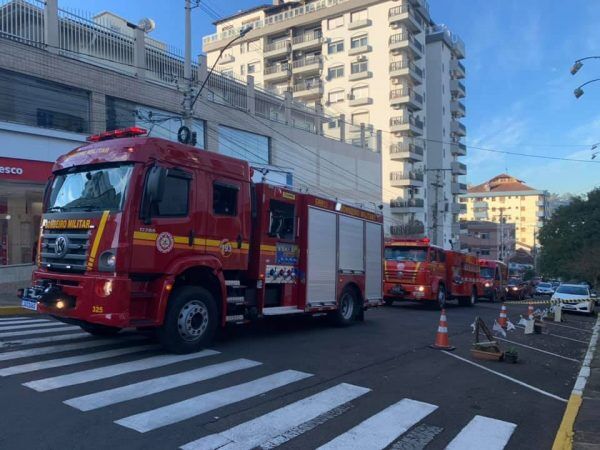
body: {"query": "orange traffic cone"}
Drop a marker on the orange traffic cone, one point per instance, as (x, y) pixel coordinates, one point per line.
(441, 338)
(502, 320)
(530, 311)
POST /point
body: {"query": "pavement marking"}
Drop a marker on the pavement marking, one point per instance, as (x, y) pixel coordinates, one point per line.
(46, 339)
(26, 353)
(34, 326)
(566, 326)
(6, 319)
(418, 438)
(539, 350)
(155, 385)
(267, 427)
(564, 435)
(70, 360)
(383, 428)
(20, 322)
(192, 407)
(101, 373)
(483, 432)
(514, 380)
(567, 338)
(36, 331)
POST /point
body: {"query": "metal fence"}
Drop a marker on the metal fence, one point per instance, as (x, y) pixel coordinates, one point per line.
(23, 21)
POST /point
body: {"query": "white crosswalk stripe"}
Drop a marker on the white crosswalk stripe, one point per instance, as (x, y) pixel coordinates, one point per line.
(70, 360)
(32, 326)
(176, 412)
(271, 425)
(45, 339)
(36, 331)
(100, 373)
(27, 353)
(483, 432)
(21, 322)
(383, 428)
(6, 319)
(155, 385)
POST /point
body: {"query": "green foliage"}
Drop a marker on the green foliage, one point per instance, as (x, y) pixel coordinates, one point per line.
(529, 274)
(571, 241)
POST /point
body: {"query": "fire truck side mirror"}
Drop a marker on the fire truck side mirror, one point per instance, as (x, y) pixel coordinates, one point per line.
(155, 187)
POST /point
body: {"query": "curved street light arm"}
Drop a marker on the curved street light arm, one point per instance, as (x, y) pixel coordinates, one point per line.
(588, 82)
(578, 92)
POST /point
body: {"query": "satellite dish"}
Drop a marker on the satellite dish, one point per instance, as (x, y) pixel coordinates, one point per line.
(146, 25)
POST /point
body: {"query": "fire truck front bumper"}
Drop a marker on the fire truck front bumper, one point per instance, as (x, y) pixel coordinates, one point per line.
(398, 291)
(71, 298)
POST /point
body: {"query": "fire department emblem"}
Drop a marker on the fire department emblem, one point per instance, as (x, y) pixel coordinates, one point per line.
(226, 248)
(61, 246)
(165, 242)
(400, 266)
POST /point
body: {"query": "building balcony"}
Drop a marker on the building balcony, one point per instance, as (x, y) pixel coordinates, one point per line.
(541, 214)
(410, 179)
(410, 206)
(406, 41)
(307, 65)
(414, 228)
(540, 203)
(406, 69)
(276, 49)
(457, 128)
(360, 75)
(459, 188)
(406, 151)
(457, 88)
(307, 41)
(404, 15)
(308, 90)
(457, 69)
(406, 123)
(480, 205)
(277, 72)
(455, 208)
(459, 168)
(359, 101)
(359, 24)
(226, 59)
(457, 108)
(458, 149)
(406, 97)
(359, 50)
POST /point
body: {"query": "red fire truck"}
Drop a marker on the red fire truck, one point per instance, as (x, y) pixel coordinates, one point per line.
(148, 233)
(494, 277)
(418, 271)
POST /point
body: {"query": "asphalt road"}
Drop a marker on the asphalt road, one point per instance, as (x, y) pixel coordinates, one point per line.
(291, 382)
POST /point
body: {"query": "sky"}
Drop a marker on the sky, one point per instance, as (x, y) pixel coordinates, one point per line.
(519, 89)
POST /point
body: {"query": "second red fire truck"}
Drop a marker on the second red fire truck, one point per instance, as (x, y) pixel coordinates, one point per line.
(148, 233)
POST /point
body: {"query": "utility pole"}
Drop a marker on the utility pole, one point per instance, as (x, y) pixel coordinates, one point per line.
(437, 185)
(187, 69)
(501, 253)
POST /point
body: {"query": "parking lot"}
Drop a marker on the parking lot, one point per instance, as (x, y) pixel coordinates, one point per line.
(295, 383)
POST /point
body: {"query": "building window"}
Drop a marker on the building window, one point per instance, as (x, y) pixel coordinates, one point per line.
(336, 96)
(335, 72)
(242, 70)
(360, 91)
(360, 117)
(359, 41)
(224, 199)
(335, 47)
(359, 66)
(41, 103)
(358, 16)
(335, 22)
(253, 67)
(484, 252)
(240, 144)
(243, 47)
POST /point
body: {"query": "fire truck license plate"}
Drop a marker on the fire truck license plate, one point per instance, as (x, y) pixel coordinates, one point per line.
(29, 304)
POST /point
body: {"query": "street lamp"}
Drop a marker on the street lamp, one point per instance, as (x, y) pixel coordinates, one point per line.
(578, 92)
(578, 64)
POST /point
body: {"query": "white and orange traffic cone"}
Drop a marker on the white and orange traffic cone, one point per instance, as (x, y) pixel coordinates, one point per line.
(503, 319)
(530, 311)
(441, 338)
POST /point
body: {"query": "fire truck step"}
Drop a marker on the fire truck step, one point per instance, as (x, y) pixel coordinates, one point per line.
(235, 300)
(232, 282)
(281, 310)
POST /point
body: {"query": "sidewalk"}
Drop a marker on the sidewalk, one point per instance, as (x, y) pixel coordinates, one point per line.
(587, 424)
(10, 304)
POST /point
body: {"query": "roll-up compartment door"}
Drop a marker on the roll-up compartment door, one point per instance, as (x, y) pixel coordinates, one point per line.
(374, 261)
(321, 273)
(351, 244)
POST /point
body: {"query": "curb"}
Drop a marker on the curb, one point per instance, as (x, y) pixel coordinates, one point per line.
(12, 310)
(564, 435)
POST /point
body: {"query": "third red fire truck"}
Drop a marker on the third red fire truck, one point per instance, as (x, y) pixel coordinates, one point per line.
(148, 233)
(418, 271)
(494, 278)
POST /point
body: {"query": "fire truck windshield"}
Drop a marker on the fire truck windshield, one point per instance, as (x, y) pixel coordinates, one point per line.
(90, 189)
(486, 272)
(416, 254)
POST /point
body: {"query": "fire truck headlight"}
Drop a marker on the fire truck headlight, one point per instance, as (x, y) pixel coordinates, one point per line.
(488, 285)
(515, 288)
(107, 261)
(421, 288)
(60, 304)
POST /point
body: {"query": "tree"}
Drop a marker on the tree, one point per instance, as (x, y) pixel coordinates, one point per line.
(570, 240)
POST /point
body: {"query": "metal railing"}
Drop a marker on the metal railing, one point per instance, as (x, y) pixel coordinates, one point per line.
(307, 61)
(413, 175)
(411, 228)
(276, 46)
(399, 65)
(406, 119)
(406, 36)
(307, 37)
(406, 92)
(410, 203)
(276, 68)
(23, 21)
(403, 147)
(304, 86)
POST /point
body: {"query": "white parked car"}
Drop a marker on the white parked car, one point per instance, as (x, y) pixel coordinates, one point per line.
(544, 289)
(575, 297)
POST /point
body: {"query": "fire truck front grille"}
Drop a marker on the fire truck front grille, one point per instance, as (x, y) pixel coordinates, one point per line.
(407, 276)
(65, 250)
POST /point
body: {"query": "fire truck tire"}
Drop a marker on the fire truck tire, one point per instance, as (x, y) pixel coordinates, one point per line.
(470, 300)
(99, 330)
(347, 308)
(190, 321)
(441, 296)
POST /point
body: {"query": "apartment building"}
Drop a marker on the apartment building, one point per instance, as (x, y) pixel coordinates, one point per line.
(488, 240)
(366, 62)
(506, 199)
(64, 76)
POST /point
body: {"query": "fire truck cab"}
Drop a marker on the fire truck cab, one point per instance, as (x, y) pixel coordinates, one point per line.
(493, 279)
(148, 233)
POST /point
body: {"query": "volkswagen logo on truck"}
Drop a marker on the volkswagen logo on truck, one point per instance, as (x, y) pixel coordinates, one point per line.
(61, 246)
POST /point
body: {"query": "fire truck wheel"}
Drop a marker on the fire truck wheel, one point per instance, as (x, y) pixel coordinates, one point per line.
(190, 322)
(470, 300)
(347, 308)
(99, 330)
(441, 296)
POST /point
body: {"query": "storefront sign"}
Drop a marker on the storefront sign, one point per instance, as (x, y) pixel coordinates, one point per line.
(24, 170)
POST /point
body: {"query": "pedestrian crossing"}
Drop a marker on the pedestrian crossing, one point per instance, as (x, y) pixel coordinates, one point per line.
(132, 376)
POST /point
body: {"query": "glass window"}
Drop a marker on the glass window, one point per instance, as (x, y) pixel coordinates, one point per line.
(336, 96)
(416, 254)
(359, 66)
(335, 72)
(572, 290)
(335, 47)
(360, 91)
(240, 144)
(253, 68)
(359, 41)
(335, 22)
(282, 220)
(41, 103)
(358, 16)
(224, 199)
(175, 197)
(361, 117)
